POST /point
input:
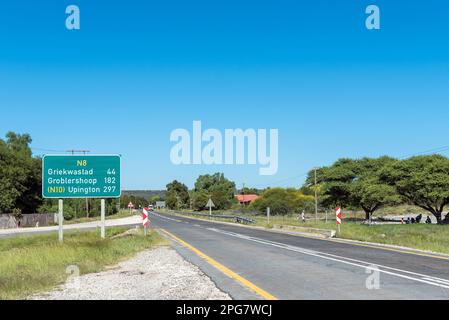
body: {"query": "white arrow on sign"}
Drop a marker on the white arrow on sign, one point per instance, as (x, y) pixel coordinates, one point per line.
(210, 204)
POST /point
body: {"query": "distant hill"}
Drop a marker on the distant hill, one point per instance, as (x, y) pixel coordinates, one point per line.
(144, 193)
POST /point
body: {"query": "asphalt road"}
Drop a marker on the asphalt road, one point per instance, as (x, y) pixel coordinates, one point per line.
(293, 267)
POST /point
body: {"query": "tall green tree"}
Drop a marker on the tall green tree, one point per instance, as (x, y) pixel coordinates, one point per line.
(177, 196)
(199, 200)
(357, 184)
(422, 181)
(20, 175)
(220, 189)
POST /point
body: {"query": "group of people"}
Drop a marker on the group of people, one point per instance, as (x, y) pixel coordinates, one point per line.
(418, 219)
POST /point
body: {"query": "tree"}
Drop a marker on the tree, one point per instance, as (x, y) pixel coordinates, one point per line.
(358, 184)
(155, 198)
(282, 201)
(20, 175)
(73, 208)
(138, 202)
(247, 190)
(199, 200)
(335, 182)
(422, 181)
(368, 190)
(218, 188)
(371, 195)
(177, 196)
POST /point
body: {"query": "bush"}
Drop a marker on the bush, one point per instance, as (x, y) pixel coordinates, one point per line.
(282, 201)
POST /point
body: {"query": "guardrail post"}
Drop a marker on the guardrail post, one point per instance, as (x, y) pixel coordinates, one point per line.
(268, 215)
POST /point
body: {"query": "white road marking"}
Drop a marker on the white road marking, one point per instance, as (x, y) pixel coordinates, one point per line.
(430, 280)
(166, 218)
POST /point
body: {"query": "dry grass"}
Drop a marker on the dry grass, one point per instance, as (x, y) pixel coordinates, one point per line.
(37, 263)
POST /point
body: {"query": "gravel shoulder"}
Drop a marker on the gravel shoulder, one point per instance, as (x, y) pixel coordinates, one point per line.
(157, 274)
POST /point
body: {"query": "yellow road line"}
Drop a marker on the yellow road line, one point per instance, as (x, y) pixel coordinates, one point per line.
(223, 269)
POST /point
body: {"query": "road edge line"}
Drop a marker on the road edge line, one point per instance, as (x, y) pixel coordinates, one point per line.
(246, 283)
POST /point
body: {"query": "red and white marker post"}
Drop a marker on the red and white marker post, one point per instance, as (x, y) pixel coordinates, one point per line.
(145, 220)
(338, 216)
(130, 207)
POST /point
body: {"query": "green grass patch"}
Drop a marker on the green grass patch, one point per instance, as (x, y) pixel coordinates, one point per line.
(417, 236)
(34, 264)
(119, 215)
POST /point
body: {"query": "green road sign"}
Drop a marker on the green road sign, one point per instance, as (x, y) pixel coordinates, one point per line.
(81, 176)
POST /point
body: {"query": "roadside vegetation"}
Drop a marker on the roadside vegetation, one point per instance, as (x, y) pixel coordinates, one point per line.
(118, 215)
(21, 185)
(417, 236)
(368, 185)
(365, 189)
(371, 184)
(33, 264)
(365, 184)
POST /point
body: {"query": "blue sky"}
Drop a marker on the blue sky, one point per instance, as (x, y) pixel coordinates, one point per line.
(139, 69)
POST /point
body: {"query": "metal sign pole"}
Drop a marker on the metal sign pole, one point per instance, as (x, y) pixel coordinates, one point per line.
(209, 203)
(316, 198)
(103, 217)
(60, 220)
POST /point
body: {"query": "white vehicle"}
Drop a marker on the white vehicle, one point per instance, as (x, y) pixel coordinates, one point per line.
(151, 208)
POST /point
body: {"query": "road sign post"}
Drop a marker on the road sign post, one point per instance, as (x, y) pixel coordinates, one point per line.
(145, 220)
(211, 205)
(130, 207)
(103, 218)
(60, 220)
(81, 176)
(316, 198)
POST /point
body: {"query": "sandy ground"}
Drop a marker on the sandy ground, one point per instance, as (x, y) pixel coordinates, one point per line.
(159, 274)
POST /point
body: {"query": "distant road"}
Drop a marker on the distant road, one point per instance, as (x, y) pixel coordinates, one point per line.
(86, 226)
(294, 267)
